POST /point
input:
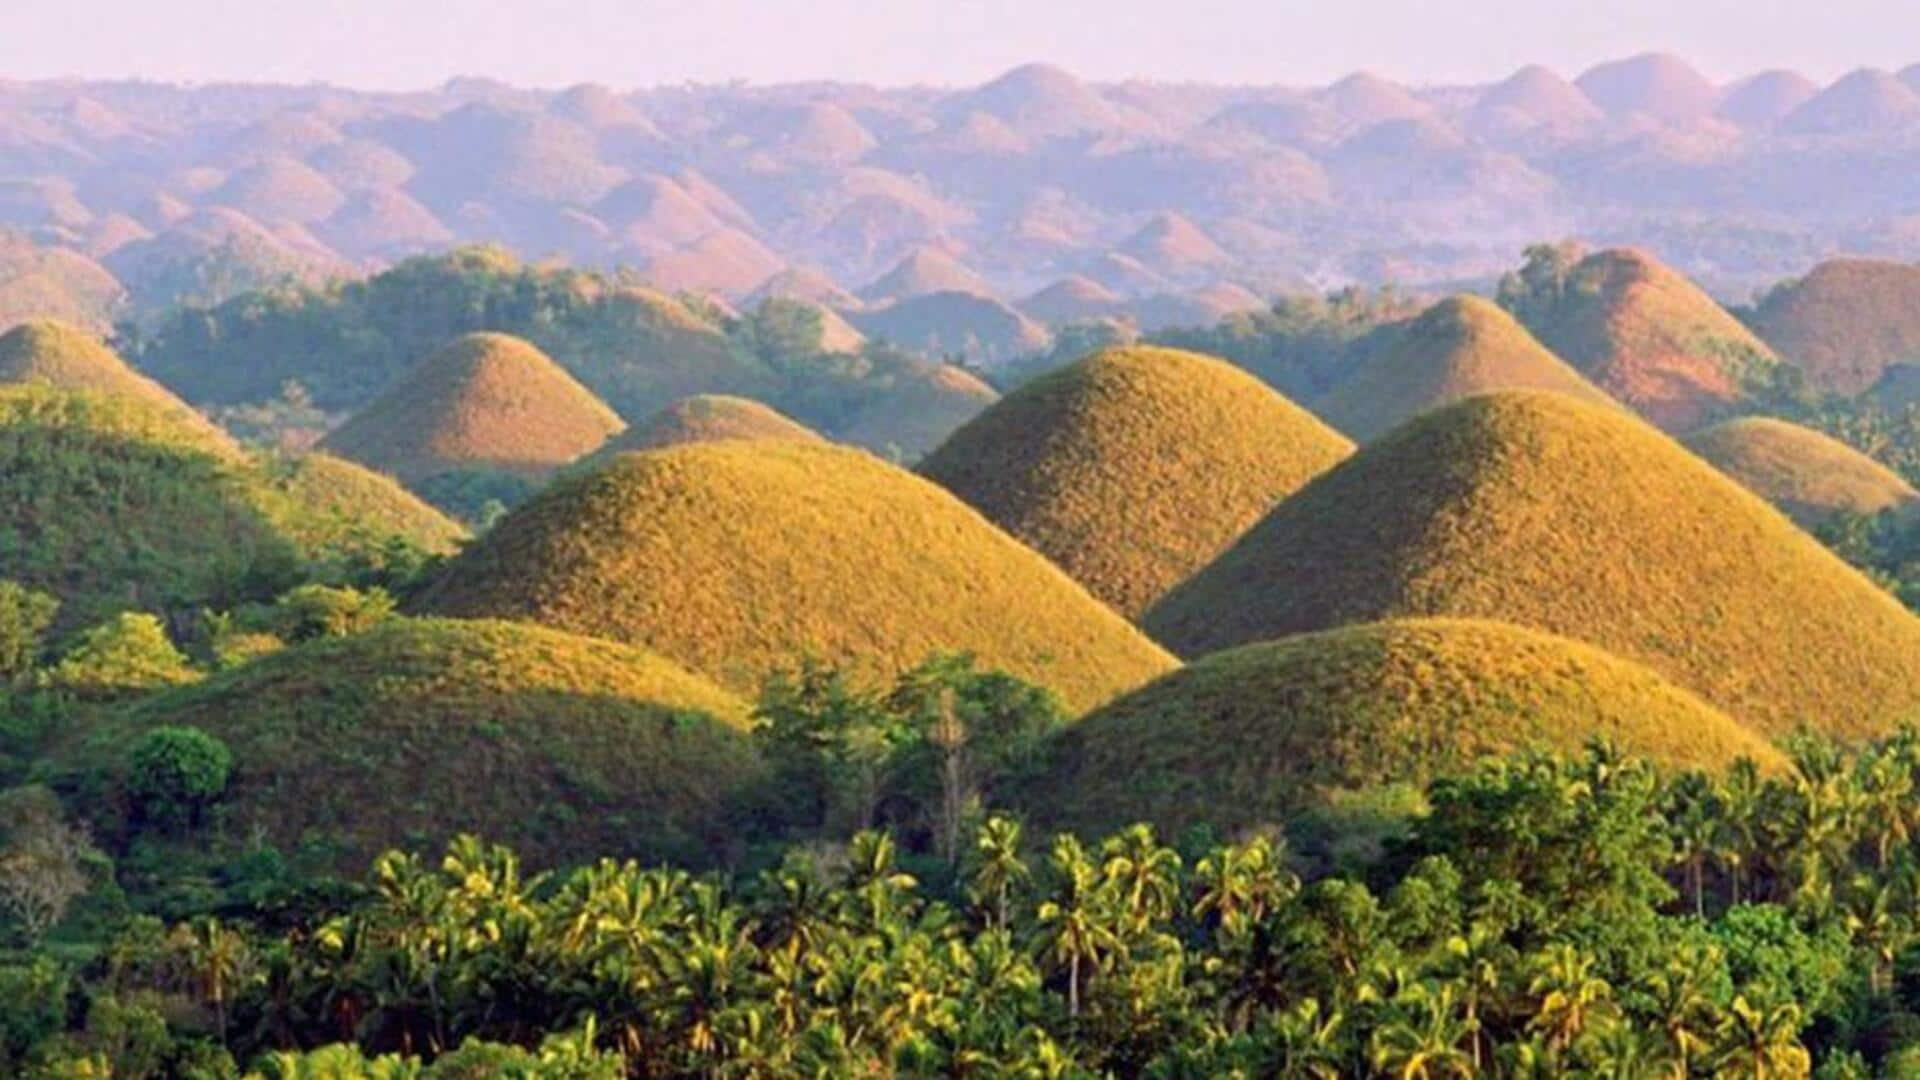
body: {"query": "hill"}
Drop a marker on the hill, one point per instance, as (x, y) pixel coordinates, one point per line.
(1071, 299)
(67, 358)
(1533, 99)
(484, 401)
(1172, 244)
(1845, 321)
(1134, 467)
(963, 324)
(918, 411)
(1655, 85)
(736, 558)
(1766, 98)
(335, 509)
(1650, 338)
(417, 730)
(1808, 475)
(922, 272)
(1455, 349)
(116, 504)
(41, 282)
(706, 418)
(1864, 101)
(1254, 735)
(1546, 512)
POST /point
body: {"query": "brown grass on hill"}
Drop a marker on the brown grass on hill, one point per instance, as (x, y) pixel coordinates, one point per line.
(1546, 512)
(485, 401)
(737, 558)
(1651, 338)
(1134, 467)
(1256, 734)
(1808, 475)
(1455, 349)
(565, 747)
(68, 358)
(707, 418)
(1845, 321)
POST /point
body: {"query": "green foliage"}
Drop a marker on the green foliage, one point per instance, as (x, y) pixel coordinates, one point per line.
(33, 1007)
(130, 652)
(312, 611)
(1303, 345)
(174, 773)
(25, 615)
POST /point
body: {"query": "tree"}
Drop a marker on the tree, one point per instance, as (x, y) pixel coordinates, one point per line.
(25, 615)
(1762, 1042)
(1074, 921)
(996, 868)
(42, 866)
(174, 773)
(129, 652)
(1421, 1040)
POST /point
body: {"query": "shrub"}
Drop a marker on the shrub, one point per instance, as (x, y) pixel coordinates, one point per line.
(25, 615)
(175, 773)
(131, 651)
(312, 611)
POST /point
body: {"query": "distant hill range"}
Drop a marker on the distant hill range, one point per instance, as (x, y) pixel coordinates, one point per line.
(1158, 202)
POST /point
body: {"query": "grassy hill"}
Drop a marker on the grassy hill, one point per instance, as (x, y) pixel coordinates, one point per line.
(1134, 467)
(1845, 321)
(1455, 349)
(334, 508)
(1649, 337)
(1546, 512)
(565, 747)
(484, 401)
(706, 418)
(1808, 475)
(115, 504)
(1255, 734)
(736, 558)
(923, 405)
(68, 358)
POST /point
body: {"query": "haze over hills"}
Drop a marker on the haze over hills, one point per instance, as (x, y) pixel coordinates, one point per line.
(1027, 179)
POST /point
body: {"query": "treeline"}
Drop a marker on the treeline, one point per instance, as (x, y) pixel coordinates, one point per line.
(1543, 917)
(272, 357)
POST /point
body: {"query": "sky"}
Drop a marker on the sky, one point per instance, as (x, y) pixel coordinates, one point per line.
(415, 44)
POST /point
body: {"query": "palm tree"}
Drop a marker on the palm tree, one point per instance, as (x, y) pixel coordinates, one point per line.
(1421, 1040)
(1567, 994)
(1695, 819)
(997, 867)
(1074, 922)
(1145, 875)
(1476, 960)
(218, 962)
(1306, 1043)
(1684, 1009)
(1758, 1042)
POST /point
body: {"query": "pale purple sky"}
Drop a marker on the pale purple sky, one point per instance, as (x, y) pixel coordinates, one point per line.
(402, 44)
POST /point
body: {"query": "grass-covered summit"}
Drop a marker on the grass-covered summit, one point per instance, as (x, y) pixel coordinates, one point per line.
(1543, 511)
(482, 402)
(1255, 734)
(736, 558)
(114, 502)
(706, 418)
(1457, 348)
(1808, 475)
(1641, 332)
(418, 730)
(1845, 321)
(68, 358)
(1132, 468)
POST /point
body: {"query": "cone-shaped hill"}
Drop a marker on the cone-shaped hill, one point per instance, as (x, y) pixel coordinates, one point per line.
(1256, 734)
(738, 558)
(114, 503)
(417, 730)
(1650, 338)
(69, 358)
(118, 504)
(918, 412)
(1543, 511)
(1808, 475)
(1845, 322)
(1134, 467)
(707, 418)
(334, 506)
(1455, 349)
(485, 401)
